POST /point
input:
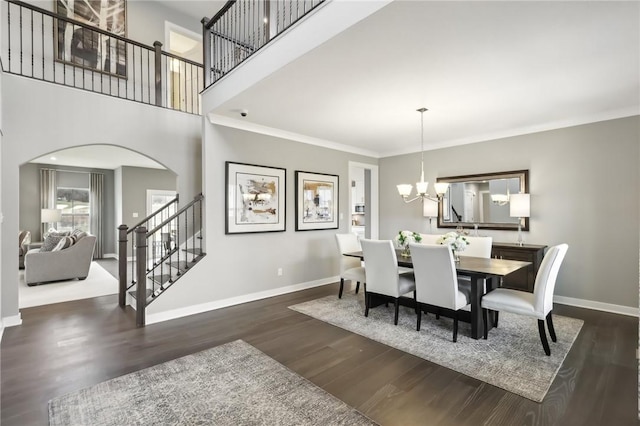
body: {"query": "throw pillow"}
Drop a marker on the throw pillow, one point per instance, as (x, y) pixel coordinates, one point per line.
(65, 242)
(77, 235)
(51, 242)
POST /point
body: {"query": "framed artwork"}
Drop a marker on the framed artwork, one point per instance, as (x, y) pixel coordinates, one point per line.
(255, 198)
(93, 50)
(316, 201)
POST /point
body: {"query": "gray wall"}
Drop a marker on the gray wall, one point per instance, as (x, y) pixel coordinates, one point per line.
(63, 118)
(242, 264)
(584, 191)
(30, 198)
(135, 182)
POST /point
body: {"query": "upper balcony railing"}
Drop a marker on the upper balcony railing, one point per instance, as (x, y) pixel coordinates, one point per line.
(242, 27)
(43, 45)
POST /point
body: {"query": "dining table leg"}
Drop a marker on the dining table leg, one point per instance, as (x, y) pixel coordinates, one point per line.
(477, 289)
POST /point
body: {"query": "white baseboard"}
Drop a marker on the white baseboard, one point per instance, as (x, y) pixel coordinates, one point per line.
(218, 304)
(598, 306)
(110, 255)
(11, 321)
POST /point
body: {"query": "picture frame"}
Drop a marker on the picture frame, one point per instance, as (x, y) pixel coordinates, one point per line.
(317, 202)
(255, 198)
(92, 50)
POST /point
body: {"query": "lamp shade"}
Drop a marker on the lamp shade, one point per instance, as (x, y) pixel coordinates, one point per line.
(429, 208)
(441, 187)
(50, 215)
(405, 189)
(519, 205)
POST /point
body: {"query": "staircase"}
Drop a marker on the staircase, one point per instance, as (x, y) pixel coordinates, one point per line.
(157, 252)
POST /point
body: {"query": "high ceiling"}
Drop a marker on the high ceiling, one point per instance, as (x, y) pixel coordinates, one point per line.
(484, 70)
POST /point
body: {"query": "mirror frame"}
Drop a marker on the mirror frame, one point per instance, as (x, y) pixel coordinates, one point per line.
(523, 175)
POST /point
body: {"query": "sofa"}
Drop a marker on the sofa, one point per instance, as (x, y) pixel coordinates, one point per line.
(24, 239)
(65, 264)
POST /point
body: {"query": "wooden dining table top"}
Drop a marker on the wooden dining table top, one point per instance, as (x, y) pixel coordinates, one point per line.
(468, 264)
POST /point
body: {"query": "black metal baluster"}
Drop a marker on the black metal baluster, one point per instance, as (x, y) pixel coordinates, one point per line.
(42, 32)
(21, 49)
(32, 64)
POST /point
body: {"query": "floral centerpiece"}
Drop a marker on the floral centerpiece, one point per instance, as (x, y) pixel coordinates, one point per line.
(456, 241)
(404, 238)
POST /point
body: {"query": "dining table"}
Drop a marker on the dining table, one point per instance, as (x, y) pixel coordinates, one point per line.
(480, 270)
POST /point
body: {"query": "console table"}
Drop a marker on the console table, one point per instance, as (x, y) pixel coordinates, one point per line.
(525, 278)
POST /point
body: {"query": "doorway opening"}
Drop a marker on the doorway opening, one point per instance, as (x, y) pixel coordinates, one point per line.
(363, 200)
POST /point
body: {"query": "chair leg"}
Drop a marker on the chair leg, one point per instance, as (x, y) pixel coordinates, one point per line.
(415, 300)
(437, 313)
(484, 323)
(397, 306)
(495, 319)
(543, 337)
(552, 331)
(367, 302)
(341, 288)
(455, 328)
(357, 287)
(419, 316)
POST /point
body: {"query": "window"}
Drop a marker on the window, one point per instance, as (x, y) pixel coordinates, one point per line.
(74, 203)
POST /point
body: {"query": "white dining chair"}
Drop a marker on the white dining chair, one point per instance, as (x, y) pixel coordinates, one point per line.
(429, 238)
(437, 282)
(384, 277)
(350, 267)
(538, 304)
(478, 247)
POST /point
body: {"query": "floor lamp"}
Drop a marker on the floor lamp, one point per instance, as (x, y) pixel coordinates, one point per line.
(519, 207)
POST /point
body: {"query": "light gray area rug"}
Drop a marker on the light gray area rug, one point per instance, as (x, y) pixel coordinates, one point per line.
(232, 384)
(511, 358)
(98, 283)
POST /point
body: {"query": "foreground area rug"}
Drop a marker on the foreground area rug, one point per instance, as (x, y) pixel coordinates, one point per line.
(232, 384)
(98, 283)
(512, 358)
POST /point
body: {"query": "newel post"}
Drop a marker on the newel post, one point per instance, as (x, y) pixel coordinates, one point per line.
(122, 264)
(206, 52)
(141, 275)
(158, 67)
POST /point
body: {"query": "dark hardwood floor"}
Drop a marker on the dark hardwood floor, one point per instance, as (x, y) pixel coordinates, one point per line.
(68, 346)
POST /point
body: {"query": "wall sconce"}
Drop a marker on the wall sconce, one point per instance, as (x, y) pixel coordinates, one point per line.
(519, 206)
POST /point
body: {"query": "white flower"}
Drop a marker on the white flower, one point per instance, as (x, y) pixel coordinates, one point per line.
(403, 238)
(454, 240)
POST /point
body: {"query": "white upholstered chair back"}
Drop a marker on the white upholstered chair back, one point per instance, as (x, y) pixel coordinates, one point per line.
(348, 243)
(546, 279)
(381, 266)
(429, 238)
(435, 275)
(478, 247)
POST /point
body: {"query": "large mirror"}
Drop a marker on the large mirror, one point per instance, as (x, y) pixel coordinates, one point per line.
(482, 200)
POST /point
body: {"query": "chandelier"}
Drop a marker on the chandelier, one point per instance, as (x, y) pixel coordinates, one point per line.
(421, 187)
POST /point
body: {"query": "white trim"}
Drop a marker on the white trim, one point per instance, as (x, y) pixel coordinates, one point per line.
(218, 304)
(12, 321)
(597, 306)
(110, 256)
(248, 126)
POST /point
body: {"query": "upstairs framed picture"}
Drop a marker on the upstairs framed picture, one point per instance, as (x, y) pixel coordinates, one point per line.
(94, 50)
(255, 198)
(316, 201)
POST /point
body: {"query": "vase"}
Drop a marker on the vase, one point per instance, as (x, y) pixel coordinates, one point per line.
(405, 252)
(456, 256)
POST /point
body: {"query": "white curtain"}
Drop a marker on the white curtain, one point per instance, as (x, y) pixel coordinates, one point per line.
(96, 191)
(48, 194)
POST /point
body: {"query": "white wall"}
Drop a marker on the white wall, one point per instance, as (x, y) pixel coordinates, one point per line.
(246, 264)
(584, 191)
(42, 118)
